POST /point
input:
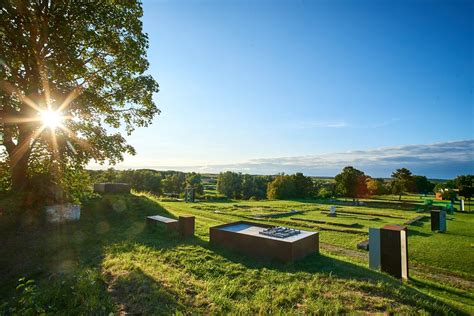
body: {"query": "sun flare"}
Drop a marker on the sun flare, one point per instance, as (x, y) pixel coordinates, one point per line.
(51, 119)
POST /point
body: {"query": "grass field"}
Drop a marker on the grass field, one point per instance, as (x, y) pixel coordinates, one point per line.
(110, 261)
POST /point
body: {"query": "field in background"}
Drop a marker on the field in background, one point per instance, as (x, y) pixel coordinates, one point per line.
(110, 261)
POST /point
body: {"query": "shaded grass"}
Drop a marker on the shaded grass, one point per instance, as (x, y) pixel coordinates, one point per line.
(132, 268)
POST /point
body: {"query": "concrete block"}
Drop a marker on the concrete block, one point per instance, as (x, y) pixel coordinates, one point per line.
(60, 213)
(374, 248)
(186, 225)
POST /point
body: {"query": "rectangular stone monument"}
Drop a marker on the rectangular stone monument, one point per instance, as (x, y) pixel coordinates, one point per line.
(374, 248)
(435, 220)
(442, 221)
(394, 251)
(256, 240)
(438, 221)
(169, 223)
(60, 213)
(462, 205)
(186, 225)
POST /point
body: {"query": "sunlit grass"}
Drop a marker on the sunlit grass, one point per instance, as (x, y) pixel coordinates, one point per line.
(152, 271)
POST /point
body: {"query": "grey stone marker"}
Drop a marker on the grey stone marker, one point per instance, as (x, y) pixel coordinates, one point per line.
(332, 211)
(374, 248)
(60, 213)
(462, 205)
(442, 221)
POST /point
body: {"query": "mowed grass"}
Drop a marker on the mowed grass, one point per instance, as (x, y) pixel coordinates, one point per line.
(110, 261)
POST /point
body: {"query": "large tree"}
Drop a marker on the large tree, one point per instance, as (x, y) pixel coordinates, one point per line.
(304, 186)
(281, 188)
(421, 184)
(402, 181)
(81, 64)
(351, 182)
(465, 185)
(230, 184)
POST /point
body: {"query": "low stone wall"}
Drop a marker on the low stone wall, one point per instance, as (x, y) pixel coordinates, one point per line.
(60, 213)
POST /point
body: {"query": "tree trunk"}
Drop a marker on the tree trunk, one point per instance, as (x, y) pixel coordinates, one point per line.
(19, 173)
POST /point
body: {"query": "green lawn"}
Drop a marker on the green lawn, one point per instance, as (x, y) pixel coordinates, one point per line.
(109, 262)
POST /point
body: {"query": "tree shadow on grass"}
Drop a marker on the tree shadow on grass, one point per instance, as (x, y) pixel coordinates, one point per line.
(119, 222)
(420, 223)
(412, 232)
(430, 285)
(137, 293)
(43, 251)
(333, 267)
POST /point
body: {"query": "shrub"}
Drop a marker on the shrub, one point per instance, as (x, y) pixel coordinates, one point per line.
(83, 293)
(324, 193)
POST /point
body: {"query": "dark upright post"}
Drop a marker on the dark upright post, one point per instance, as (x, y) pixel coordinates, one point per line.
(435, 214)
(394, 251)
(186, 225)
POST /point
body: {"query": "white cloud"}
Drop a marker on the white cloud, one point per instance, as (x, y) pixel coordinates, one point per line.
(438, 160)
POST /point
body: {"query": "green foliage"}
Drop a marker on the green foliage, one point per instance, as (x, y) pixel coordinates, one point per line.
(375, 186)
(156, 182)
(173, 182)
(446, 189)
(324, 193)
(230, 184)
(254, 187)
(351, 183)
(141, 180)
(281, 188)
(295, 186)
(242, 186)
(5, 177)
(402, 181)
(28, 300)
(214, 197)
(92, 59)
(465, 184)
(80, 293)
(422, 185)
(304, 186)
(77, 185)
(194, 180)
(70, 185)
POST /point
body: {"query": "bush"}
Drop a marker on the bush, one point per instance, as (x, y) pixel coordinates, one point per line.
(283, 187)
(324, 193)
(84, 293)
(217, 197)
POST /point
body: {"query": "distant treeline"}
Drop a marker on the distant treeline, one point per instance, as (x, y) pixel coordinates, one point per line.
(350, 182)
(354, 183)
(157, 182)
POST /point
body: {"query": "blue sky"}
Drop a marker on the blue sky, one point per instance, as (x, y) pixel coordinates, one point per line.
(246, 80)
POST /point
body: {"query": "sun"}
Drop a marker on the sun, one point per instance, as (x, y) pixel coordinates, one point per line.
(51, 119)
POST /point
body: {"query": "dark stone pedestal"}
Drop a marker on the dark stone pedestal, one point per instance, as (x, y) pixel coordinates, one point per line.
(186, 225)
(394, 251)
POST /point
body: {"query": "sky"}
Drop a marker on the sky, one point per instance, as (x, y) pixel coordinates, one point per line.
(266, 83)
